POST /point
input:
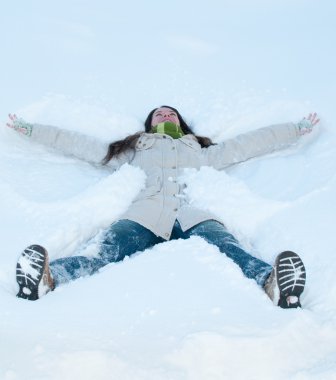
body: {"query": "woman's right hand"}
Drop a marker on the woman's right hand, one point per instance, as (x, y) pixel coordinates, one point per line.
(19, 125)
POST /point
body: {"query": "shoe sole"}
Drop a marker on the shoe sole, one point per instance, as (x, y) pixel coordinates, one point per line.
(291, 278)
(29, 271)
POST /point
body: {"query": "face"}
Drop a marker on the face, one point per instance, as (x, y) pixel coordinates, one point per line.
(164, 114)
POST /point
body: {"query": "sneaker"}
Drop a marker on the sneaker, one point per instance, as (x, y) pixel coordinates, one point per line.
(33, 274)
(286, 281)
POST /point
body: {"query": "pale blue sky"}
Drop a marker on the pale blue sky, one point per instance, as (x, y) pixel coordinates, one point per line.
(139, 54)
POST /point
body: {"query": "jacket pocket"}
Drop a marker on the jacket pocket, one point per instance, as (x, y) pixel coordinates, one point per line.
(153, 187)
(148, 192)
(144, 143)
(191, 143)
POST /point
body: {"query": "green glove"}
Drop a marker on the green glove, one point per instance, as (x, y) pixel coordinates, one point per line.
(19, 125)
(307, 124)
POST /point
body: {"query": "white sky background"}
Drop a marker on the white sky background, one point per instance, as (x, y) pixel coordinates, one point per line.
(131, 56)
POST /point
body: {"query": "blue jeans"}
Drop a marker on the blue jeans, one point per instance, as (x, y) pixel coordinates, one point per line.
(126, 237)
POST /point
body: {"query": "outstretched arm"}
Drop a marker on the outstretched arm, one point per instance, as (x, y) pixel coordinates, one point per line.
(257, 143)
(68, 142)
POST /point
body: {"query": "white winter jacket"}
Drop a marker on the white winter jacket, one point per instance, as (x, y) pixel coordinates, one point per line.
(163, 159)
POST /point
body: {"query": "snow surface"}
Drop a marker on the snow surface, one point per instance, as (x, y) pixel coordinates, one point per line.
(180, 310)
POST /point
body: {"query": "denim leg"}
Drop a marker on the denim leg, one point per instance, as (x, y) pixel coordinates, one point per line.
(123, 238)
(215, 233)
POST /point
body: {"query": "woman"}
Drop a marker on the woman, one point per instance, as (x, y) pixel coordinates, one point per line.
(160, 212)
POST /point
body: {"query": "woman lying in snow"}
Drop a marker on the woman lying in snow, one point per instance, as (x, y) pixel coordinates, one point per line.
(160, 212)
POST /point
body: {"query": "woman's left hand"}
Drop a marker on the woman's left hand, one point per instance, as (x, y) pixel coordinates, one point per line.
(307, 124)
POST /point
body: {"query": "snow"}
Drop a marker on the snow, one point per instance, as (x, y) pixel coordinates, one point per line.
(180, 310)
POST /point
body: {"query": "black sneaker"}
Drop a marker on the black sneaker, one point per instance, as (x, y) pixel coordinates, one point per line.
(33, 274)
(286, 281)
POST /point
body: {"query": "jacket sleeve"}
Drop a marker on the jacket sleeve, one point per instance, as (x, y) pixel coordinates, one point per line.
(84, 147)
(252, 144)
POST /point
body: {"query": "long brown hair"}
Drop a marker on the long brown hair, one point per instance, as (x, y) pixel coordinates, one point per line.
(129, 142)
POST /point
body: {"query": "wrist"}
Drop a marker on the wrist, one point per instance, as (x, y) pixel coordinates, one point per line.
(23, 127)
(304, 126)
